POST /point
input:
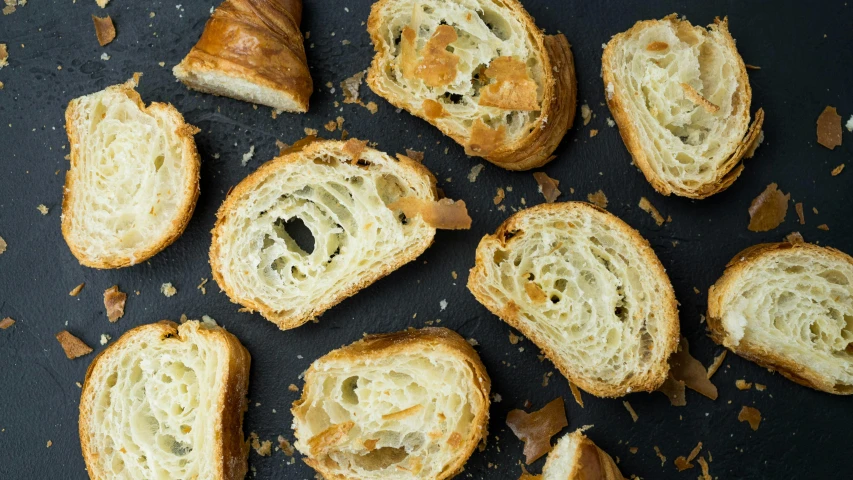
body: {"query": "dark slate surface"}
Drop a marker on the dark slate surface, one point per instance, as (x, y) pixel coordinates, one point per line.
(804, 49)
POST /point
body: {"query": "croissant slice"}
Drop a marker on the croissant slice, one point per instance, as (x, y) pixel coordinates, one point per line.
(252, 50)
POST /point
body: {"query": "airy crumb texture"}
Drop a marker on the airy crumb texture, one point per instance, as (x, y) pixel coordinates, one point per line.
(829, 128)
(73, 346)
(114, 301)
(576, 457)
(535, 429)
(750, 415)
(547, 186)
(76, 290)
(168, 289)
(6, 323)
(444, 214)
(630, 409)
(599, 199)
(647, 207)
(767, 211)
(104, 29)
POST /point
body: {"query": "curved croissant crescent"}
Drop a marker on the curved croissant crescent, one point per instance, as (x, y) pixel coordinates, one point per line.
(252, 50)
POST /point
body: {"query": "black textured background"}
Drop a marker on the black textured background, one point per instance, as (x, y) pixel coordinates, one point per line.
(803, 48)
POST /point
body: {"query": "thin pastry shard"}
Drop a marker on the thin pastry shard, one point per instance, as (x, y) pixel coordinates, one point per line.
(72, 346)
(314, 226)
(104, 29)
(750, 415)
(535, 429)
(685, 368)
(686, 125)
(481, 72)
(252, 50)
(547, 186)
(767, 211)
(829, 128)
(444, 214)
(576, 457)
(114, 301)
(411, 405)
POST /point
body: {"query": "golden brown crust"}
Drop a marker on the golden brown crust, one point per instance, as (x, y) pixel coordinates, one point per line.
(593, 463)
(231, 451)
(509, 312)
(728, 172)
(799, 373)
(258, 41)
(390, 344)
(184, 132)
(257, 177)
(557, 115)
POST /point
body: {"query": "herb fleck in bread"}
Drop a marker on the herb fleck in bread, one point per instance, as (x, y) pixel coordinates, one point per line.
(681, 96)
(480, 71)
(166, 401)
(405, 405)
(587, 289)
(252, 50)
(789, 307)
(341, 191)
(576, 457)
(133, 181)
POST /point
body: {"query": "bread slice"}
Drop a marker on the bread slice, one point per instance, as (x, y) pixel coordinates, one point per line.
(480, 71)
(167, 401)
(681, 96)
(133, 181)
(576, 457)
(252, 51)
(405, 405)
(341, 192)
(789, 307)
(587, 289)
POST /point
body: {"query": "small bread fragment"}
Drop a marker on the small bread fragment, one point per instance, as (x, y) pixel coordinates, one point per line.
(133, 181)
(681, 97)
(608, 319)
(576, 457)
(72, 346)
(343, 196)
(104, 29)
(829, 128)
(253, 51)
(167, 401)
(406, 405)
(480, 71)
(535, 429)
(789, 308)
(114, 301)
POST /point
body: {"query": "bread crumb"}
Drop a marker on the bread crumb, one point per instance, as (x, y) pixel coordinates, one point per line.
(647, 207)
(104, 29)
(3, 245)
(751, 415)
(798, 207)
(742, 384)
(767, 211)
(248, 155)
(837, 170)
(794, 237)
(350, 87)
(499, 196)
(513, 338)
(454, 275)
(760, 387)
(630, 409)
(442, 304)
(105, 338)
(331, 126)
(706, 475)
(593, 133)
(285, 446)
(293, 388)
(660, 456)
(72, 346)
(610, 122)
(41, 208)
(311, 131)
(415, 155)
(684, 463)
(823, 227)
(168, 290)
(6, 323)
(114, 301)
(49, 444)
(475, 171)
(586, 114)
(715, 365)
(76, 290)
(598, 198)
(547, 186)
(4, 55)
(576, 393)
(473, 342)
(105, 56)
(79, 385)
(849, 124)
(814, 209)
(829, 128)
(633, 450)
(261, 448)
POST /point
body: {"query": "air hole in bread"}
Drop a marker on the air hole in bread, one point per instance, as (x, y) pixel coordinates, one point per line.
(158, 162)
(834, 277)
(844, 388)
(348, 388)
(381, 458)
(496, 24)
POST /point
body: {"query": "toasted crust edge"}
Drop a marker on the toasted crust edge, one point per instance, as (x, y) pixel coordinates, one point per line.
(192, 160)
(477, 282)
(729, 171)
(286, 322)
(389, 344)
(798, 373)
(232, 451)
(608, 469)
(535, 149)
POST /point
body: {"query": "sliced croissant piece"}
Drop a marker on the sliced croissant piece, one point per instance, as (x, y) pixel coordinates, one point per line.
(252, 50)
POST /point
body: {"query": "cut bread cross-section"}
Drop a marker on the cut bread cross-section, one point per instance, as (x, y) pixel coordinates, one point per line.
(314, 226)
(576, 457)
(253, 51)
(789, 307)
(480, 71)
(681, 97)
(587, 289)
(405, 405)
(167, 401)
(133, 181)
